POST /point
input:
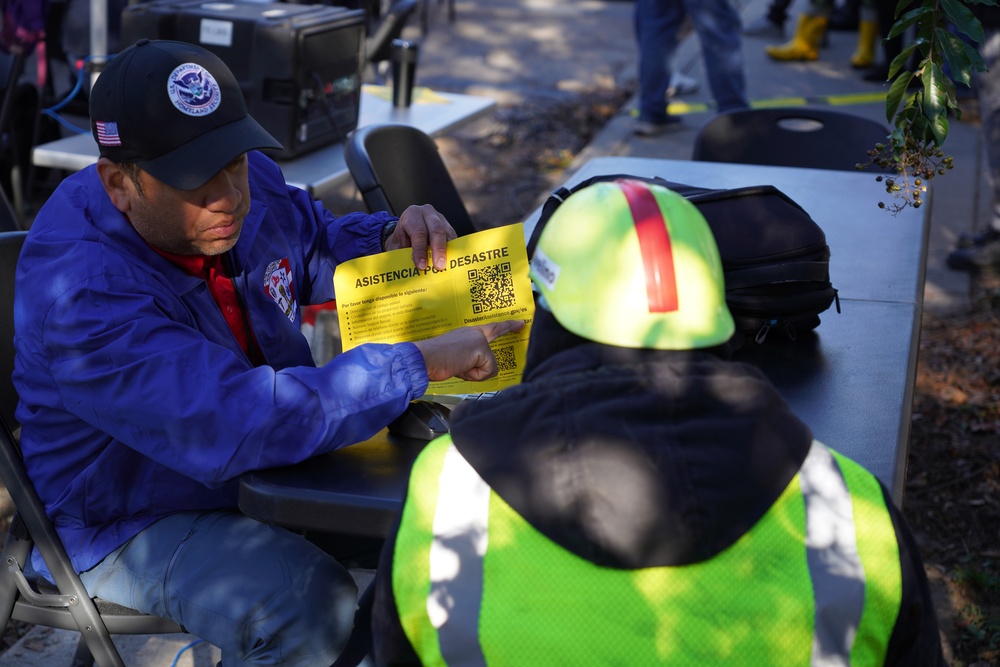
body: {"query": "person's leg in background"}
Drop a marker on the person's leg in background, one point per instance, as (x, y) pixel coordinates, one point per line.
(718, 26)
(772, 24)
(846, 16)
(681, 84)
(981, 250)
(868, 35)
(262, 594)
(886, 17)
(805, 43)
(657, 23)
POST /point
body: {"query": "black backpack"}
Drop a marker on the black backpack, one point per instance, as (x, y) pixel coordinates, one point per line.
(774, 255)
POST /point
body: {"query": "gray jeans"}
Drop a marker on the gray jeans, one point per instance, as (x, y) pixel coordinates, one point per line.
(262, 594)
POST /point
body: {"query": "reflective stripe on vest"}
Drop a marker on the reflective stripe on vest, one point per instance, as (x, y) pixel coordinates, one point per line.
(815, 582)
(832, 553)
(456, 565)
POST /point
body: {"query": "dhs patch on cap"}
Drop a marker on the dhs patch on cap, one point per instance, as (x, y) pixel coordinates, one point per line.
(176, 110)
(193, 90)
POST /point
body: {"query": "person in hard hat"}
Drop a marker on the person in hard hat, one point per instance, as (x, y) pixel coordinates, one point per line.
(640, 499)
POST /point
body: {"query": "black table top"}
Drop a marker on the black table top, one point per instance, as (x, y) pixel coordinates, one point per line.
(356, 490)
(847, 380)
(851, 380)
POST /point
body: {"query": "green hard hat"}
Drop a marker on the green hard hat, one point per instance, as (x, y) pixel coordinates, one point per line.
(633, 264)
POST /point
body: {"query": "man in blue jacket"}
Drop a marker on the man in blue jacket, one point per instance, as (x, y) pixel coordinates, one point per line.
(159, 357)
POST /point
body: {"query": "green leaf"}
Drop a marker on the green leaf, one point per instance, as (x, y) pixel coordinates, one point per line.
(896, 137)
(935, 103)
(963, 19)
(946, 37)
(896, 92)
(909, 123)
(974, 56)
(920, 134)
(955, 55)
(951, 100)
(908, 19)
(900, 61)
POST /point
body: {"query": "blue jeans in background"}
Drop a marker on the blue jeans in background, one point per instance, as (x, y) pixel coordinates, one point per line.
(657, 23)
(262, 594)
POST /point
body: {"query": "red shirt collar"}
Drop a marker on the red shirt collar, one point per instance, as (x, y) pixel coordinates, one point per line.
(194, 265)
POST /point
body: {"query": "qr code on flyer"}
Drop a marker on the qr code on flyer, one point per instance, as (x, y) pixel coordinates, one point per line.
(506, 359)
(491, 288)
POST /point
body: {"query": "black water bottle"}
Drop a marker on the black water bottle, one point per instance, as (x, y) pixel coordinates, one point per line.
(404, 68)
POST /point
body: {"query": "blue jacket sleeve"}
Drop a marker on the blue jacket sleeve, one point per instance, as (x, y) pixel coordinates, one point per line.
(163, 389)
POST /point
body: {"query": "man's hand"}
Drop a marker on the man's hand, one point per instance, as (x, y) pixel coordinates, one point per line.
(421, 227)
(465, 352)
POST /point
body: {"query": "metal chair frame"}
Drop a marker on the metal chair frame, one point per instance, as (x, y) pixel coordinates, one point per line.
(23, 596)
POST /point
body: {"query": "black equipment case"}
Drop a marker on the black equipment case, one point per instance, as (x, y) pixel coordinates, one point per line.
(299, 66)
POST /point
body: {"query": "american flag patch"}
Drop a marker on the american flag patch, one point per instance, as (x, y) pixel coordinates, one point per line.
(107, 134)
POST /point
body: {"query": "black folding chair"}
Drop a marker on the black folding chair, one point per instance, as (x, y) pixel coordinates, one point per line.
(789, 137)
(24, 596)
(395, 166)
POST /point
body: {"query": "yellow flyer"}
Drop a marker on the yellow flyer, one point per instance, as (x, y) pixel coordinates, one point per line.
(384, 298)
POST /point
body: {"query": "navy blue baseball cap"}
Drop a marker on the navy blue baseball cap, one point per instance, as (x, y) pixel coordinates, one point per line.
(176, 110)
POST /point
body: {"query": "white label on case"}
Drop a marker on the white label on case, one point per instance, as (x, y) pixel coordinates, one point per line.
(215, 32)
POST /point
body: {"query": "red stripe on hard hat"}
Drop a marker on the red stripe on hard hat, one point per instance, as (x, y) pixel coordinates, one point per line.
(654, 243)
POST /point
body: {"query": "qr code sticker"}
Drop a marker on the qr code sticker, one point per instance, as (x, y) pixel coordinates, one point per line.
(506, 359)
(491, 288)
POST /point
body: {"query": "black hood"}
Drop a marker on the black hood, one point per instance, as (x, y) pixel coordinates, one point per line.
(636, 458)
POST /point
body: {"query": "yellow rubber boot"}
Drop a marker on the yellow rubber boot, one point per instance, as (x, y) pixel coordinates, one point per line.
(804, 44)
(864, 54)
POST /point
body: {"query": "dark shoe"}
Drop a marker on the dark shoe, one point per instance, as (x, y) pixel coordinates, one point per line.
(764, 27)
(983, 253)
(646, 128)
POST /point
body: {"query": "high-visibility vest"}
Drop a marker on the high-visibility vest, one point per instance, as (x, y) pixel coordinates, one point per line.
(816, 581)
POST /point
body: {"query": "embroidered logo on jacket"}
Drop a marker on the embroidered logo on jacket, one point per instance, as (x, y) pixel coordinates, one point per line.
(278, 283)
